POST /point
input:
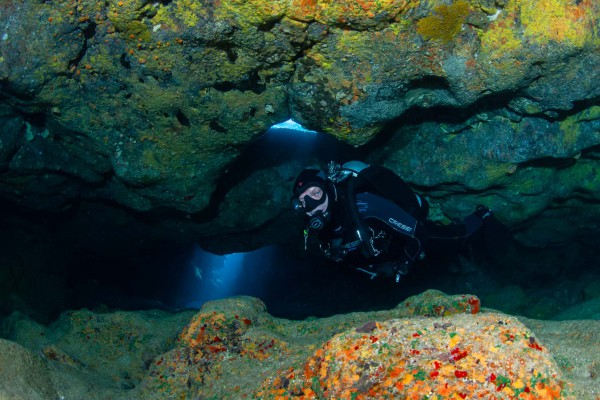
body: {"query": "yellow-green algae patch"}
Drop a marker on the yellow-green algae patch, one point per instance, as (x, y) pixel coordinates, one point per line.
(571, 125)
(558, 20)
(127, 16)
(251, 12)
(589, 114)
(186, 12)
(501, 37)
(540, 22)
(445, 22)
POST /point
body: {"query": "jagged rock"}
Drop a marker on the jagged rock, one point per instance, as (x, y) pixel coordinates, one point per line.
(23, 374)
(149, 103)
(237, 335)
(433, 55)
(468, 356)
(232, 348)
(156, 99)
(534, 161)
(565, 340)
(94, 353)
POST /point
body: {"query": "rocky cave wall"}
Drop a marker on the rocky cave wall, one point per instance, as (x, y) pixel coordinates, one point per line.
(149, 106)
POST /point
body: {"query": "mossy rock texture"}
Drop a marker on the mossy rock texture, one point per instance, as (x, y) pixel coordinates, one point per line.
(149, 104)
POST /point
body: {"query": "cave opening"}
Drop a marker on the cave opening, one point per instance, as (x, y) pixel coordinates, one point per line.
(99, 258)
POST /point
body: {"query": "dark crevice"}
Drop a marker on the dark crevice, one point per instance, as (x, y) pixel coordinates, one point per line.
(229, 50)
(88, 32)
(181, 117)
(592, 153)
(215, 126)
(248, 114)
(124, 61)
(578, 196)
(549, 162)
(578, 106)
(35, 119)
(267, 26)
(224, 45)
(439, 114)
(231, 55)
(251, 83)
(429, 82)
(14, 98)
(495, 103)
(225, 86)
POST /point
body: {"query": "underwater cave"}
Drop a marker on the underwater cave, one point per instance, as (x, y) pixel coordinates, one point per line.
(102, 257)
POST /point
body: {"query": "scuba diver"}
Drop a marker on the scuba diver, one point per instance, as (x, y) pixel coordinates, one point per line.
(368, 217)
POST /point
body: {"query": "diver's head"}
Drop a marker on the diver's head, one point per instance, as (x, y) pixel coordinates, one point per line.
(310, 192)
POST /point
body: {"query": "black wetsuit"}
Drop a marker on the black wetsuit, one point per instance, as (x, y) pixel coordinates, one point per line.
(380, 226)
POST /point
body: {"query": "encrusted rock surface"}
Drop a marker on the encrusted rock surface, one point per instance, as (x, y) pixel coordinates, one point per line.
(91, 355)
(527, 169)
(234, 349)
(476, 357)
(151, 105)
(448, 54)
(23, 374)
(147, 104)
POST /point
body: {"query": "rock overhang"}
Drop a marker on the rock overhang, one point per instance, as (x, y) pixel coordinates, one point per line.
(159, 99)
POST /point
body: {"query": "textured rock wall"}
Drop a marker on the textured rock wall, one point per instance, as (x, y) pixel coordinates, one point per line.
(448, 54)
(148, 104)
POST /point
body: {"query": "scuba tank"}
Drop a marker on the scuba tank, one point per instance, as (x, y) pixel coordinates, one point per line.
(341, 173)
(338, 173)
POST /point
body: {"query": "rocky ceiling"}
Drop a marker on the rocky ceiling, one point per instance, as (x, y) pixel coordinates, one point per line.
(155, 111)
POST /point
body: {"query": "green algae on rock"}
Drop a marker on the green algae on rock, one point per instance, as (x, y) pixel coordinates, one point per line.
(148, 104)
(445, 23)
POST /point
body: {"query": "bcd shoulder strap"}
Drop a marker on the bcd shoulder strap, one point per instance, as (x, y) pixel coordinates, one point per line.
(383, 195)
(387, 184)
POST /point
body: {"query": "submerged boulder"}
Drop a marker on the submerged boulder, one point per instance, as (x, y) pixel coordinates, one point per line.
(232, 348)
(466, 356)
(23, 374)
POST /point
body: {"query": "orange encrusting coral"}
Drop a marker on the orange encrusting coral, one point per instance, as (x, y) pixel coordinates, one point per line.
(302, 10)
(360, 14)
(483, 356)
